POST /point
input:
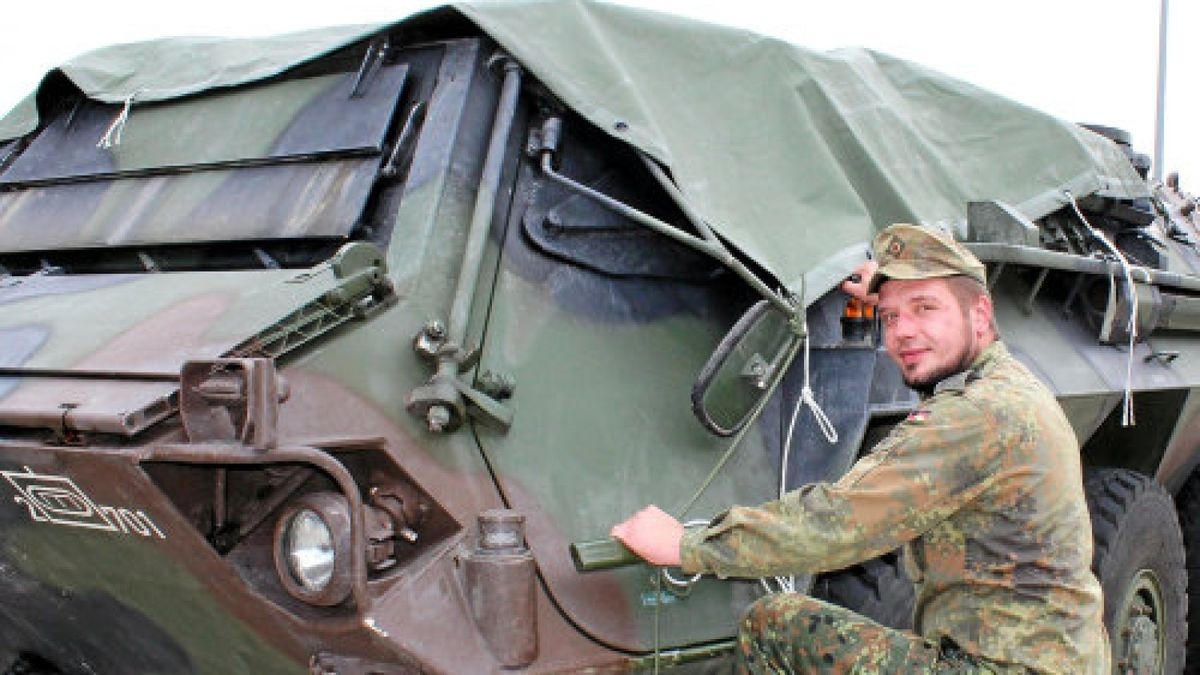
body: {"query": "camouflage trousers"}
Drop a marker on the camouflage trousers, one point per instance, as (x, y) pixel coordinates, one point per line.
(792, 633)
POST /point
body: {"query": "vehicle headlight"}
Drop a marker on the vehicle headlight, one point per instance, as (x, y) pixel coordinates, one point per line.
(312, 548)
(308, 548)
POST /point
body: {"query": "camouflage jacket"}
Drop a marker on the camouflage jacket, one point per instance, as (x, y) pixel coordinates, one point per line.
(981, 484)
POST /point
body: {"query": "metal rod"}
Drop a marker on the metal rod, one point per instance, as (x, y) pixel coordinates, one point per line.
(406, 135)
(8, 371)
(1037, 286)
(722, 252)
(676, 196)
(1072, 294)
(994, 275)
(219, 493)
(1160, 116)
(485, 207)
(683, 655)
(639, 217)
(708, 245)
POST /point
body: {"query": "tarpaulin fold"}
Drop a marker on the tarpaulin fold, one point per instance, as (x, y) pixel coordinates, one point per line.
(796, 157)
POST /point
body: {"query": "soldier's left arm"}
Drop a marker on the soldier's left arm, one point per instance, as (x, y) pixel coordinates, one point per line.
(942, 457)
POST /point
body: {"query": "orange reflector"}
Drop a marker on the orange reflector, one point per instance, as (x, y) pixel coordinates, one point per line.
(854, 309)
(857, 309)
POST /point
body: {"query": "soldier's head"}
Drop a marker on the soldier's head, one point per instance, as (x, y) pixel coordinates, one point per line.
(933, 303)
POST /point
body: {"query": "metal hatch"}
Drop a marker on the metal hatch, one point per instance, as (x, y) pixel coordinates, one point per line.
(302, 118)
(289, 159)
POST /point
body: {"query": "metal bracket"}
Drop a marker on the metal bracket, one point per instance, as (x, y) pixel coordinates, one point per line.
(415, 117)
(1163, 357)
(363, 290)
(372, 61)
(433, 345)
(444, 402)
(231, 401)
(1072, 294)
(757, 371)
(1027, 307)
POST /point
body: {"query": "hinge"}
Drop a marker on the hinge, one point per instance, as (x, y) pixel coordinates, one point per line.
(363, 290)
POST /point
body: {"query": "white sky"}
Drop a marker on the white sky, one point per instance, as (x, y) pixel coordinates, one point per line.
(1082, 60)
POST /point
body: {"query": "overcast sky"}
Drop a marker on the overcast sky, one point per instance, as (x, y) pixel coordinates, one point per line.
(1082, 60)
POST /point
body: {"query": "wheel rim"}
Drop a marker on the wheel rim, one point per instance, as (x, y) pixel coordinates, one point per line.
(1142, 623)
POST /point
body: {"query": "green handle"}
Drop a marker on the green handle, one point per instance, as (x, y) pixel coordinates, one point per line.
(601, 554)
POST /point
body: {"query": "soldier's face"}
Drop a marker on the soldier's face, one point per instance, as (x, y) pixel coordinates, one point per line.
(928, 332)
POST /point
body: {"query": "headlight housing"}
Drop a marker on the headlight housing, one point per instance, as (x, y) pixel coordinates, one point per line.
(312, 548)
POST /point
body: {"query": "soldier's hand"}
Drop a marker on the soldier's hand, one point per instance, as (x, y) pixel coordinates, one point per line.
(653, 534)
(858, 283)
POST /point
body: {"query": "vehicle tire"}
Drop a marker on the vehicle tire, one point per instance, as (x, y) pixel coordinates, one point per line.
(31, 664)
(878, 589)
(1139, 559)
(1187, 503)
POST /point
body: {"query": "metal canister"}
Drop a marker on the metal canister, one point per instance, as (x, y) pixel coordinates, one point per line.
(500, 581)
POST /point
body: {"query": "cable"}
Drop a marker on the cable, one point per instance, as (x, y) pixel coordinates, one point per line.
(787, 584)
(1127, 419)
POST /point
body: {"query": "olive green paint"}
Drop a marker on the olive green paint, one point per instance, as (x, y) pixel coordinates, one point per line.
(137, 573)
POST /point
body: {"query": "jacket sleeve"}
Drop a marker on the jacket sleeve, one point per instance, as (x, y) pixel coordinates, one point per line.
(942, 457)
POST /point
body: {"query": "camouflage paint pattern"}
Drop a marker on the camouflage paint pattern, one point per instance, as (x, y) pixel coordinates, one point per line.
(197, 170)
(906, 251)
(793, 633)
(982, 485)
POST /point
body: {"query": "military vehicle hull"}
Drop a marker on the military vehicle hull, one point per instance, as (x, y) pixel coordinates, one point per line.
(349, 366)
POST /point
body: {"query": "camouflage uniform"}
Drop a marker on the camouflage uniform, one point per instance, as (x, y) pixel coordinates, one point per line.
(981, 484)
(794, 633)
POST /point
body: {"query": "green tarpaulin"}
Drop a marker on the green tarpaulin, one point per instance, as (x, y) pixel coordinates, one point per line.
(796, 157)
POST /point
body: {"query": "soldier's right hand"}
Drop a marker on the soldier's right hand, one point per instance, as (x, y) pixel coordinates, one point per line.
(653, 534)
(859, 283)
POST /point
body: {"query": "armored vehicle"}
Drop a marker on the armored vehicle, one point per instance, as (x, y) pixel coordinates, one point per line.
(341, 352)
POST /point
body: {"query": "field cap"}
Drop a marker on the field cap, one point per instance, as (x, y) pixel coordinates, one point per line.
(906, 251)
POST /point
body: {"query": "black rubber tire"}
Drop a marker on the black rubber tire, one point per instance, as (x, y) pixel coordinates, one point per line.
(878, 589)
(31, 664)
(1187, 504)
(1138, 539)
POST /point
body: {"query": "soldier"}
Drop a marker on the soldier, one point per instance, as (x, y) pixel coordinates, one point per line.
(981, 485)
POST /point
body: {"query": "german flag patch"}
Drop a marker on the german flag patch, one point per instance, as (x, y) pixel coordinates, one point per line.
(918, 415)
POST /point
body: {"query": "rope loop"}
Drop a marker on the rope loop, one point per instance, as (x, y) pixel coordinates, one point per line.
(112, 137)
(1127, 419)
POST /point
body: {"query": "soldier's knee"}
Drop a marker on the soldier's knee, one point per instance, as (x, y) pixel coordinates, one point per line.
(770, 612)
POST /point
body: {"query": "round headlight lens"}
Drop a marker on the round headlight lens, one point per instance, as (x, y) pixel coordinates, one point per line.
(308, 547)
(312, 549)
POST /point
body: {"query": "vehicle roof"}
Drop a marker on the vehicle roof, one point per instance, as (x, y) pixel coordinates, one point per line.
(796, 157)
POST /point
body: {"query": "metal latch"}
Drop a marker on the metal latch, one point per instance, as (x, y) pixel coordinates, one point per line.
(231, 401)
(445, 400)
